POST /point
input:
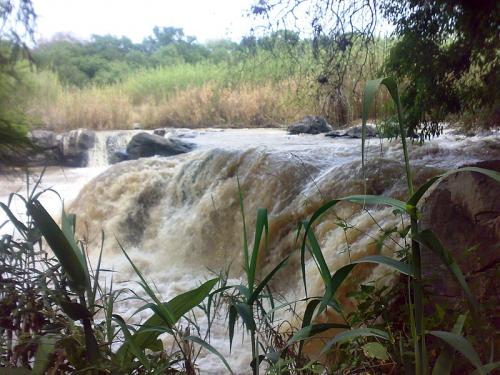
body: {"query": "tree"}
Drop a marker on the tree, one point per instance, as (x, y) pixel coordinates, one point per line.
(446, 52)
(17, 24)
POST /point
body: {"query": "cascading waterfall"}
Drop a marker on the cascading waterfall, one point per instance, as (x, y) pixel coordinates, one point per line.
(179, 217)
(106, 143)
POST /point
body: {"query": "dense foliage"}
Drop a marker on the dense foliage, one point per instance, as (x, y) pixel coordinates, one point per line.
(109, 59)
(448, 54)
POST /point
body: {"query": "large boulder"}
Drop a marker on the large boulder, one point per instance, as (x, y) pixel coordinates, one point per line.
(45, 151)
(310, 125)
(75, 146)
(354, 132)
(463, 210)
(146, 145)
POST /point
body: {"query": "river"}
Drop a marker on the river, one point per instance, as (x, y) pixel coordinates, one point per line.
(179, 217)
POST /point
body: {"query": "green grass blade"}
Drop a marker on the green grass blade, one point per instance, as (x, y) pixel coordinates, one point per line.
(487, 368)
(62, 246)
(376, 200)
(246, 256)
(261, 225)
(130, 342)
(266, 280)
(415, 198)
(323, 269)
(428, 238)
(233, 314)
(386, 261)
(165, 314)
(19, 226)
(177, 306)
(370, 93)
(308, 317)
(444, 363)
(210, 348)
(46, 346)
(353, 334)
(312, 330)
(245, 311)
(460, 344)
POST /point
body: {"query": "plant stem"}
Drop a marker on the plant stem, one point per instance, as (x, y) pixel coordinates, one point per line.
(418, 299)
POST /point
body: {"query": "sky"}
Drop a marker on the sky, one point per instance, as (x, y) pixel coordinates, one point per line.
(205, 19)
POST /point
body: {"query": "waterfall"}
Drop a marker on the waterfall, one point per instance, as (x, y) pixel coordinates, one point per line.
(179, 216)
(107, 143)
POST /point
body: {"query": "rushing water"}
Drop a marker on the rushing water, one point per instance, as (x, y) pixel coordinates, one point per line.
(179, 216)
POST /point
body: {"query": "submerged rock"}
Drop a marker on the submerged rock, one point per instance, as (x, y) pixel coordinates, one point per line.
(354, 132)
(146, 145)
(310, 125)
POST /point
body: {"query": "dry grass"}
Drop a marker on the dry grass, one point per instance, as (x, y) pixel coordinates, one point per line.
(245, 105)
(269, 92)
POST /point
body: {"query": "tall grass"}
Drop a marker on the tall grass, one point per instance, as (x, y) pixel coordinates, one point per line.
(264, 89)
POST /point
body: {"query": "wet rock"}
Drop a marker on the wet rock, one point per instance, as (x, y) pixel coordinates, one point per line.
(146, 145)
(161, 132)
(45, 150)
(310, 125)
(117, 157)
(354, 132)
(75, 145)
(464, 212)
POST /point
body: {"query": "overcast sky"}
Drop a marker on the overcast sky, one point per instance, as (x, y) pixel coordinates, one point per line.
(204, 19)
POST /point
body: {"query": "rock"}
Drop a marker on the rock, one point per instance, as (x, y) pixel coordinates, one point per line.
(75, 145)
(118, 157)
(160, 132)
(354, 132)
(136, 126)
(45, 150)
(44, 139)
(146, 145)
(463, 210)
(310, 125)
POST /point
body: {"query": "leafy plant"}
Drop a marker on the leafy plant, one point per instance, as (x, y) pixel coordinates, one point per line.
(412, 267)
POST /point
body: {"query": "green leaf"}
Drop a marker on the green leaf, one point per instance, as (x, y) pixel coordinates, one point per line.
(461, 345)
(415, 198)
(487, 368)
(428, 238)
(46, 346)
(386, 261)
(260, 225)
(178, 306)
(19, 226)
(266, 280)
(245, 311)
(210, 348)
(375, 350)
(308, 316)
(131, 345)
(62, 246)
(233, 314)
(376, 200)
(313, 329)
(353, 334)
(444, 362)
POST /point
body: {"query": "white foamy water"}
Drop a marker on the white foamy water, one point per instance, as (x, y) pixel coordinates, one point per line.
(179, 216)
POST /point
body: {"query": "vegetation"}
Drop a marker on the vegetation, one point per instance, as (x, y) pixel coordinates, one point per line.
(267, 81)
(58, 316)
